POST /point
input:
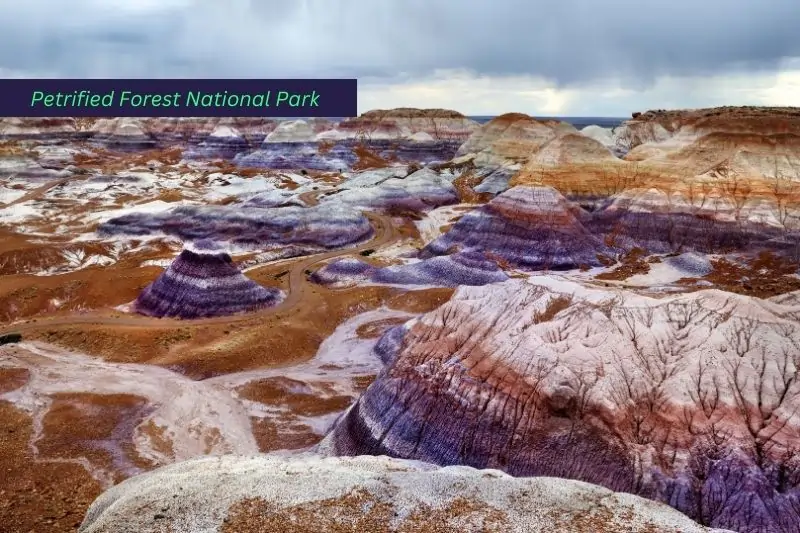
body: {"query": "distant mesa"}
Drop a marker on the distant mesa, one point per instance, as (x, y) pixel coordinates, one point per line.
(202, 284)
(374, 139)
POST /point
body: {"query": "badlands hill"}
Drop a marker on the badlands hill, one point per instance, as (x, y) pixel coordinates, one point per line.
(611, 311)
(203, 283)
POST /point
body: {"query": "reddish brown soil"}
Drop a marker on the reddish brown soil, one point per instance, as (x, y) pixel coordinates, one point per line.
(84, 425)
(763, 277)
(35, 496)
(465, 188)
(215, 349)
(356, 511)
(633, 263)
(367, 159)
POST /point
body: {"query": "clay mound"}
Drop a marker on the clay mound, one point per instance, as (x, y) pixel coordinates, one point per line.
(223, 142)
(273, 493)
(688, 400)
(511, 138)
(122, 132)
(199, 285)
(447, 271)
(662, 222)
(528, 227)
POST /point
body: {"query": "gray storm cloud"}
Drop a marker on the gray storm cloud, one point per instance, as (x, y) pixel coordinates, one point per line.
(571, 42)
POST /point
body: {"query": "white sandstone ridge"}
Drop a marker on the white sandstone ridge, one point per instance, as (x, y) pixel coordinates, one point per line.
(516, 139)
(748, 141)
(360, 494)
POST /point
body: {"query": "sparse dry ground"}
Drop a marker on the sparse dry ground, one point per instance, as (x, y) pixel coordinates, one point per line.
(100, 428)
(216, 349)
(632, 263)
(763, 277)
(38, 497)
(96, 287)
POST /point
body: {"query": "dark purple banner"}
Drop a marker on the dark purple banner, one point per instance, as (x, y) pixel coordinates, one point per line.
(177, 98)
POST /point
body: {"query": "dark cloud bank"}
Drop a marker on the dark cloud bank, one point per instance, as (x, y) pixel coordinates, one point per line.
(571, 42)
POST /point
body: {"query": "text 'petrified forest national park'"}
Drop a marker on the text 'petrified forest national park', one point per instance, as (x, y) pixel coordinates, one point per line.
(141, 98)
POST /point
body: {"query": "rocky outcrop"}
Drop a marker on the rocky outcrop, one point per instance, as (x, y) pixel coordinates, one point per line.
(468, 268)
(308, 493)
(313, 228)
(528, 227)
(201, 284)
(688, 399)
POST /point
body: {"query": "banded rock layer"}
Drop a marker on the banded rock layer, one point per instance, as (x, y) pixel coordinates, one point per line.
(312, 228)
(528, 227)
(421, 191)
(305, 494)
(447, 271)
(689, 400)
(200, 285)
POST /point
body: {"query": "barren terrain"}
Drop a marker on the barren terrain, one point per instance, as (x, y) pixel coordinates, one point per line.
(405, 283)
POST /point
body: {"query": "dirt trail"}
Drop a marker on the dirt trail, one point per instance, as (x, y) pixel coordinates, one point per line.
(385, 233)
(38, 192)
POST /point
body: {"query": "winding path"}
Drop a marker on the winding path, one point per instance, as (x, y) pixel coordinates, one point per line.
(385, 233)
(38, 192)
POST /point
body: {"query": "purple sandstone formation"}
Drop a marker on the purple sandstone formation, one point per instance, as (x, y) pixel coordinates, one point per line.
(468, 268)
(312, 228)
(421, 191)
(200, 285)
(530, 227)
(690, 399)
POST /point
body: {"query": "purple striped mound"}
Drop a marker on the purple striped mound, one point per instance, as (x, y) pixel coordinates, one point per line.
(202, 285)
(529, 227)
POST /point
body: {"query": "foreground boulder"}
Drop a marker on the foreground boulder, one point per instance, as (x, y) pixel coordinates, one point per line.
(308, 494)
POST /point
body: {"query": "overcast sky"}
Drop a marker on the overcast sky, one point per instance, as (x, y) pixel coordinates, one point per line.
(559, 57)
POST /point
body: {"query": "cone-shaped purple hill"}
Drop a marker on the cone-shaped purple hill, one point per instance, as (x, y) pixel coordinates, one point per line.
(201, 285)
